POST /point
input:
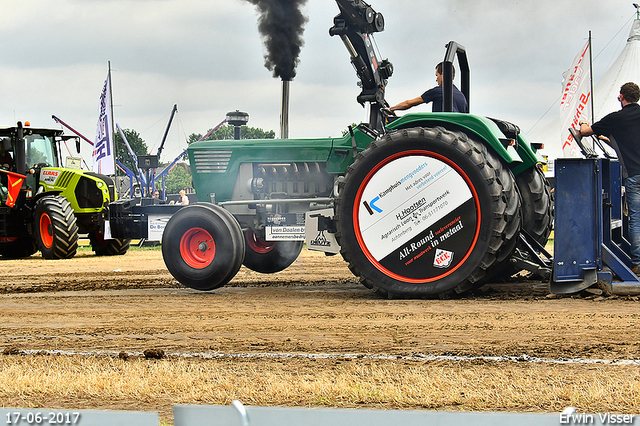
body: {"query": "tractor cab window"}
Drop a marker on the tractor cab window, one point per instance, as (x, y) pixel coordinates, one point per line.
(40, 151)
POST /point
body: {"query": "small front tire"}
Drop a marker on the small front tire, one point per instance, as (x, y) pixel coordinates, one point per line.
(537, 204)
(203, 246)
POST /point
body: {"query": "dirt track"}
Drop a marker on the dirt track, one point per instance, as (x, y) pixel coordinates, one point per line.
(131, 303)
(308, 336)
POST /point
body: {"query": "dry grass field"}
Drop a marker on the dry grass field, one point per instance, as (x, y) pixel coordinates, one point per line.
(73, 333)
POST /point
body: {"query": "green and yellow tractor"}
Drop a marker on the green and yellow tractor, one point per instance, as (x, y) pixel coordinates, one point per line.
(45, 206)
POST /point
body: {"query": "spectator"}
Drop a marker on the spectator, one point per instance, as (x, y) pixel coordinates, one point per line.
(183, 197)
(623, 129)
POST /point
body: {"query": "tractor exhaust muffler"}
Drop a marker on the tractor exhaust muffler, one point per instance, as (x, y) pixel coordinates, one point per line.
(284, 110)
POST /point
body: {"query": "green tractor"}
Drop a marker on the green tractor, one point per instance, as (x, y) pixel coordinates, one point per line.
(420, 206)
(44, 206)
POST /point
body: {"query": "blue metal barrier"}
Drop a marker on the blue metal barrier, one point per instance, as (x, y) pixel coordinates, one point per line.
(589, 242)
(239, 415)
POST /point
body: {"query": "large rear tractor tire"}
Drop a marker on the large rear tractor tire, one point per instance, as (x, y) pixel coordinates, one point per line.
(203, 246)
(537, 217)
(537, 204)
(56, 228)
(269, 257)
(423, 213)
(511, 231)
(112, 247)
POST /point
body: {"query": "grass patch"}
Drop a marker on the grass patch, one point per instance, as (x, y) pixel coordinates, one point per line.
(84, 246)
(81, 382)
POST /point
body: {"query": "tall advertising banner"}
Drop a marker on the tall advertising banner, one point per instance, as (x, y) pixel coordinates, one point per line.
(576, 99)
(103, 149)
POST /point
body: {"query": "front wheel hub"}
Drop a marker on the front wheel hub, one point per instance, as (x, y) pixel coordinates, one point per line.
(203, 246)
(197, 248)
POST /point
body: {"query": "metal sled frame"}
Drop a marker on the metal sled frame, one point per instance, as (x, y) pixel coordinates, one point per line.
(590, 244)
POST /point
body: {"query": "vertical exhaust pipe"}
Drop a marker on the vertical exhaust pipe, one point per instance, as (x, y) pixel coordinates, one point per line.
(20, 154)
(284, 110)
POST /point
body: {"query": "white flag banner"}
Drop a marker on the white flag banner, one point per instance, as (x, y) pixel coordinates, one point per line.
(103, 152)
(576, 99)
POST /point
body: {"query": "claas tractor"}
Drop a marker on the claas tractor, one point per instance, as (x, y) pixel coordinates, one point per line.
(44, 206)
(419, 206)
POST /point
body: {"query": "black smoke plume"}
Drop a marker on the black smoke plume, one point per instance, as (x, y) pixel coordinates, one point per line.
(281, 25)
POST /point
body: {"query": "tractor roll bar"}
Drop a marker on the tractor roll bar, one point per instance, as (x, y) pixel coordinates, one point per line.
(454, 49)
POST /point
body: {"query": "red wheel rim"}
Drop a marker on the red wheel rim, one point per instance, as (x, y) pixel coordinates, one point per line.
(46, 231)
(197, 248)
(257, 245)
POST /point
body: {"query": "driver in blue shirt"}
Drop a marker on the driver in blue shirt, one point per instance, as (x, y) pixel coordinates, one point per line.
(435, 95)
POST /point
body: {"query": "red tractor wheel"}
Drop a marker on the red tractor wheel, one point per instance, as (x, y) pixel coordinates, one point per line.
(46, 231)
(203, 246)
(56, 227)
(269, 257)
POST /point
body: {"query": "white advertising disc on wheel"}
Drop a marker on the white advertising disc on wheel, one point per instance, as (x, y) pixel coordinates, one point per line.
(416, 216)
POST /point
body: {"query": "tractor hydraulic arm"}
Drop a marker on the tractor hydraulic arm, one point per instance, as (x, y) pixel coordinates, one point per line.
(355, 24)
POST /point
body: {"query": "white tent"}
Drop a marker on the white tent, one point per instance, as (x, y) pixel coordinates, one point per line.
(605, 92)
(626, 68)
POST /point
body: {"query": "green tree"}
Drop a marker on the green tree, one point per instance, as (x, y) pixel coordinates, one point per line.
(226, 132)
(194, 137)
(136, 143)
(345, 132)
(178, 178)
(247, 132)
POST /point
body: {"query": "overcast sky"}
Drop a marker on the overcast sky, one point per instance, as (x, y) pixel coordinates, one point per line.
(206, 56)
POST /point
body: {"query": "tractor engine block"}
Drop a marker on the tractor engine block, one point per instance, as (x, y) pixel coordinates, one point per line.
(291, 180)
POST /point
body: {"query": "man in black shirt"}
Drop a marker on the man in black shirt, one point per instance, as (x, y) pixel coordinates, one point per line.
(623, 129)
(435, 95)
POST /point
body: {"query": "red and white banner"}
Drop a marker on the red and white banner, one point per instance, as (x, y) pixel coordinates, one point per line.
(103, 149)
(576, 99)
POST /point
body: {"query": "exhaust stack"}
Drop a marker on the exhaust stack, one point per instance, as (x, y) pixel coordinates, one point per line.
(284, 110)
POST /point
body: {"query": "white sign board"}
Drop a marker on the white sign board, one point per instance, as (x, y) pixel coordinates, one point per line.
(156, 225)
(317, 237)
(284, 233)
(73, 163)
